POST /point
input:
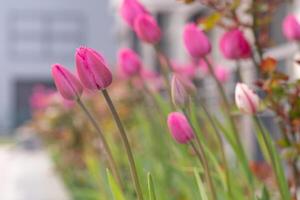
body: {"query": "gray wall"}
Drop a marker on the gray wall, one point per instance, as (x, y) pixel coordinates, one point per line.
(34, 34)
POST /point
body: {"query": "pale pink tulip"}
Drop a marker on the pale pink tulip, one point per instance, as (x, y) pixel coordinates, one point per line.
(246, 100)
(180, 96)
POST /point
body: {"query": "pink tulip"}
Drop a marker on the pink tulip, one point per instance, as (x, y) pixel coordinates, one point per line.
(180, 128)
(130, 9)
(40, 97)
(129, 62)
(187, 70)
(66, 83)
(196, 42)
(92, 69)
(147, 29)
(234, 45)
(222, 74)
(245, 99)
(291, 27)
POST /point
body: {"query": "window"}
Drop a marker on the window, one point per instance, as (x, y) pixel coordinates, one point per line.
(36, 36)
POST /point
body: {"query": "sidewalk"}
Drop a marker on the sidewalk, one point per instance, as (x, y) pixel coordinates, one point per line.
(28, 175)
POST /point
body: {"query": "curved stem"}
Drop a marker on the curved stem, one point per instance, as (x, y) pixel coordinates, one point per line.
(243, 156)
(219, 137)
(268, 145)
(165, 68)
(202, 157)
(126, 144)
(111, 161)
(239, 72)
(203, 160)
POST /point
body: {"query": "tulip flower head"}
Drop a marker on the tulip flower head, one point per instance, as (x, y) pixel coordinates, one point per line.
(130, 9)
(222, 74)
(180, 96)
(196, 42)
(245, 99)
(291, 27)
(92, 69)
(234, 45)
(187, 70)
(129, 62)
(66, 83)
(147, 29)
(180, 128)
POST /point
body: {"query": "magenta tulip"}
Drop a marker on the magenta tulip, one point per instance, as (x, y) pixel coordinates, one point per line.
(187, 70)
(180, 128)
(130, 9)
(66, 83)
(222, 74)
(129, 62)
(234, 45)
(92, 69)
(196, 42)
(291, 27)
(246, 100)
(147, 29)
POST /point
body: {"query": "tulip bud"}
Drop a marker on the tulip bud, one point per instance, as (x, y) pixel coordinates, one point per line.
(147, 29)
(222, 74)
(180, 96)
(196, 42)
(246, 100)
(291, 27)
(92, 69)
(130, 9)
(234, 45)
(66, 83)
(180, 128)
(129, 62)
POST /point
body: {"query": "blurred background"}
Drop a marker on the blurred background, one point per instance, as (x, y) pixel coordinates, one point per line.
(36, 34)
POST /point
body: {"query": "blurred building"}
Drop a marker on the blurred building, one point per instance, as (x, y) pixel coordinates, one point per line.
(36, 34)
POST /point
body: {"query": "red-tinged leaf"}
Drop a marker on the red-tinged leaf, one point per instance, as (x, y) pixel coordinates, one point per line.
(268, 64)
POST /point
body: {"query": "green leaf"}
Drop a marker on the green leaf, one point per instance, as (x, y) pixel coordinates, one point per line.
(210, 21)
(115, 189)
(200, 184)
(275, 160)
(264, 194)
(151, 190)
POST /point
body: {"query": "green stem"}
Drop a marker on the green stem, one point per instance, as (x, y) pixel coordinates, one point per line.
(269, 147)
(239, 72)
(243, 156)
(203, 160)
(111, 161)
(220, 141)
(125, 140)
(165, 67)
(202, 156)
